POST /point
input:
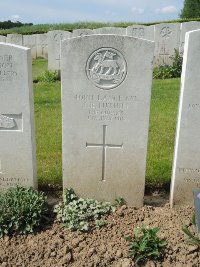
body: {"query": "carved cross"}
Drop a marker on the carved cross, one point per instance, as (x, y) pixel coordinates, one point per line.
(104, 148)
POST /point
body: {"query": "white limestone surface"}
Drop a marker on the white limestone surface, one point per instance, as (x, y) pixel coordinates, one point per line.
(16, 39)
(30, 42)
(186, 163)
(167, 38)
(42, 45)
(17, 135)
(54, 38)
(141, 31)
(110, 30)
(106, 90)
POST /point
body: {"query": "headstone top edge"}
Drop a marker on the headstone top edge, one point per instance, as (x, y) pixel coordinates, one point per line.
(16, 46)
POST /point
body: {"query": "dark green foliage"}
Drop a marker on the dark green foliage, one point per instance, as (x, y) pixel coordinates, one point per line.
(168, 72)
(22, 210)
(145, 244)
(9, 24)
(80, 214)
(192, 239)
(191, 9)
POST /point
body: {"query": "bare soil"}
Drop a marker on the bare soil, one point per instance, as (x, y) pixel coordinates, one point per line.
(56, 246)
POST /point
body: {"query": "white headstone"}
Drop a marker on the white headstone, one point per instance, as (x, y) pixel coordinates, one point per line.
(2, 39)
(186, 27)
(42, 45)
(16, 39)
(106, 89)
(141, 31)
(54, 39)
(81, 32)
(186, 165)
(110, 30)
(30, 42)
(167, 38)
(17, 140)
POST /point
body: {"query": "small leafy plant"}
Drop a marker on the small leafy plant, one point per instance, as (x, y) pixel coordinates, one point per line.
(48, 77)
(120, 201)
(145, 244)
(81, 214)
(192, 239)
(22, 210)
(166, 71)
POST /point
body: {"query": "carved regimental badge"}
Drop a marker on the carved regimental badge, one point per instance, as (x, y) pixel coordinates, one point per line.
(6, 122)
(106, 68)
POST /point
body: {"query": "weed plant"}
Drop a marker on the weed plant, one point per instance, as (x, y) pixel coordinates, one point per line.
(22, 211)
(145, 244)
(192, 239)
(81, 214)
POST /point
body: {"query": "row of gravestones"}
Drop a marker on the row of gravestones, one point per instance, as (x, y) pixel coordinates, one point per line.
(106, 91)
(167, 37)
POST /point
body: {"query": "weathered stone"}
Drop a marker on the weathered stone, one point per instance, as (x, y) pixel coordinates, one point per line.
(167, 38)
(54, 38)
(106, 89)
(16, 39)
(110, 30)
(186, 165)
(17, 141)
(30, 42)
(41, 45)
(141, 31)
(2, 39)
(81, 32)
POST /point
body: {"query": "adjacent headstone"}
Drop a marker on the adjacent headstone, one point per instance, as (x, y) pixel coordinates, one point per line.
(106, 89)
(54, 39)
(2, 39)
(30, 42)
(16, 39)
(81, 32)
(110, 30)
(41, 45)
(196, 193)
(167, 38)
(186, 164)
(186, 27)
(141, 31)
(17, 141)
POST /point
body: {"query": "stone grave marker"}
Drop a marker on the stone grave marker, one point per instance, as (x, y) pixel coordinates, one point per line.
(41, 45)
(186, 27)
(17, 140)
(106, 89)
(14, 39)
(54, 38)
(110, 30)
(30, 42)
(167, 38)
(141, 31)
(186, 163)
(81, 32)
(2, 39)
(196, 194)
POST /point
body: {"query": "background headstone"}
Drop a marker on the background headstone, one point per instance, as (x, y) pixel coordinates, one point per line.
(110, 30)
(41, 45)
(81, 32)
(30, 42)
(141, 31)
(14, 39)
(2, 39)
(17, 140)
(54, 38)
(186, 164)
(106, 89)
(186, 27)
(167, 38)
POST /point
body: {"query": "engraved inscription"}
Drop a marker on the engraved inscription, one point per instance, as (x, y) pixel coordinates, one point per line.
(106, 107)
(165, 32)
(106, 68)
(138, 32)
(6, 122)
(7, 182)
(189, 170)
(7, 71)
(194, 106)
(104, 147)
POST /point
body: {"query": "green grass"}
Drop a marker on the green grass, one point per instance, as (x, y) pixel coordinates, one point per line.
(164, 106)
(43, 28)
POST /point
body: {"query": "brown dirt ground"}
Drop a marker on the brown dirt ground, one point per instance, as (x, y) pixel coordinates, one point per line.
(56, 246)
